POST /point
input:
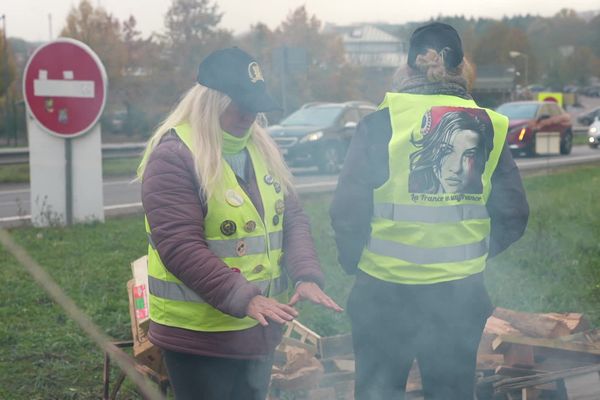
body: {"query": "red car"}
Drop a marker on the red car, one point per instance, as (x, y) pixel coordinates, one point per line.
(528, 118)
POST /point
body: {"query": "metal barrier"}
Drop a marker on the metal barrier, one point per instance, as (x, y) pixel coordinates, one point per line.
(20, 155)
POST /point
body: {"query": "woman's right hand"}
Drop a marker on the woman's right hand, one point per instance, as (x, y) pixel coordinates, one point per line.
(260, 308)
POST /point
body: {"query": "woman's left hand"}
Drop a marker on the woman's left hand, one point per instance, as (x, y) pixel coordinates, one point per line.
(312, 292)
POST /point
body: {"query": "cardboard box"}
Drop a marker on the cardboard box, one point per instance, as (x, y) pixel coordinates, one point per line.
(143, 350)
(139, 269)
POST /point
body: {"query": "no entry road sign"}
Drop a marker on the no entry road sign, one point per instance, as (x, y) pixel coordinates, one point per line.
(64, 87)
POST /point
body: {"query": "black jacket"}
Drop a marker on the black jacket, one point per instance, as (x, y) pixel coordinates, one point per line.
(366, 168)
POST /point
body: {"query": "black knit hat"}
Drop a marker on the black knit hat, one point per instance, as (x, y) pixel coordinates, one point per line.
(437, 36)
(235, 73)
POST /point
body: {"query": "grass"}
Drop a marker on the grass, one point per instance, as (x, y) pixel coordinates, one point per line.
(554, 267)
(114, 167)
(580, 139)
(43, 355)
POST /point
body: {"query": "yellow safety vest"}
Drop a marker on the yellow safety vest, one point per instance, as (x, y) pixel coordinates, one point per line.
(237, 234)
(428, 225)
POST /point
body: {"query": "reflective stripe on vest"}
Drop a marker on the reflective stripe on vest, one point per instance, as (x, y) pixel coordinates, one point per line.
(432, 215)
(418, 255)
(429, 223)
(179, 292)
(227, 248)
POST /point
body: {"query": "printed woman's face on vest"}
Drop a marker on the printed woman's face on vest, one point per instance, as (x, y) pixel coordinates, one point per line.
(455, 170)
(452, 152)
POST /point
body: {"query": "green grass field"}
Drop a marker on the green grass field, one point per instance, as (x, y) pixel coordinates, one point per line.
(19, 173)
(44, 355)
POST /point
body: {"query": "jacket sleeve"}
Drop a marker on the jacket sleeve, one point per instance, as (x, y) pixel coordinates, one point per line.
(507, 205)
(171, 201)
(365, 168)
(299, 255)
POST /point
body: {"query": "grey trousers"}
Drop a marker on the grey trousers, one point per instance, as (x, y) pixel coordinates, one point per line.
(439, 325)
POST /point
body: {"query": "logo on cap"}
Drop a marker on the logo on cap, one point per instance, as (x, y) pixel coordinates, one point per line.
(254, 72)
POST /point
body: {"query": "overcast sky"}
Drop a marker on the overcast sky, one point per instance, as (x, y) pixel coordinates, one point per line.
(29, 20)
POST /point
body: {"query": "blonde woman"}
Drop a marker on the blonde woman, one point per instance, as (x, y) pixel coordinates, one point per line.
(421, 203)
(222, 221)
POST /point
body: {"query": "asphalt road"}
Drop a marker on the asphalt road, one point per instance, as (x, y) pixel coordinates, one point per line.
(123, 196)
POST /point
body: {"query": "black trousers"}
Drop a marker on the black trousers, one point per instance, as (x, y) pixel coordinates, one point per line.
(440, 325)
(195, 377)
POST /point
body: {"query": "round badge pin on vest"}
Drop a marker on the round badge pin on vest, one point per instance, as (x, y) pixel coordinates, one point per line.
(258, 269)
(250, 226)
(228, 227)
(233, 198)
(240, 248)
(279, 206)
(269, 179)
(275, 219)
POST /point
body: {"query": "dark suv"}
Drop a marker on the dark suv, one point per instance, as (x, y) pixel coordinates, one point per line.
(318, 134)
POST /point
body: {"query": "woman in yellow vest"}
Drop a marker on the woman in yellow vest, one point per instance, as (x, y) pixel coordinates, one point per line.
(429, 191)
(222, 221)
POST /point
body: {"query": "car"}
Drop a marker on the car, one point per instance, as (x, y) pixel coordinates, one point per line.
(591, 91)
(114, 122)
(528, 118)
(588, 117)
(318, 134)
(535, 88)
(594, 133)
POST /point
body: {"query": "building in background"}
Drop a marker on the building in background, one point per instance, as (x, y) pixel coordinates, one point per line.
(378, 54)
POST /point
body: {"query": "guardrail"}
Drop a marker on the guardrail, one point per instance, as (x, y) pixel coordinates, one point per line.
(20, 155)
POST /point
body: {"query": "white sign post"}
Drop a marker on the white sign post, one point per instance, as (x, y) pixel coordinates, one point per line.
(65, 89)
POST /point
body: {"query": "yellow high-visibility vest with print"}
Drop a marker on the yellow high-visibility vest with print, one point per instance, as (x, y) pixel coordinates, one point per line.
(237, 234)
(422, 237)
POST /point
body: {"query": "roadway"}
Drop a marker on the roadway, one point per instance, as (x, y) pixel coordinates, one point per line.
(122, 196)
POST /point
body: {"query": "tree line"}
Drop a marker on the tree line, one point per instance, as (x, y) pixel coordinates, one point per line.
(148, 73)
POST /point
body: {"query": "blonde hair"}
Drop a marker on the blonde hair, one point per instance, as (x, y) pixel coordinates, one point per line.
(431, 65)
(202, 107)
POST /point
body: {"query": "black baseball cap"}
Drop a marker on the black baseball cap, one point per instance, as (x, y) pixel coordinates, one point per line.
(437, 36)
(235, 73)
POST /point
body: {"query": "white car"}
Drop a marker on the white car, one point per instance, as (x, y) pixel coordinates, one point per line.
(594, 134)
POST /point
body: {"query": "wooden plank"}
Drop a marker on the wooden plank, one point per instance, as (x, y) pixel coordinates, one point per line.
(518, 355)
(508, 370)
(337, 365)
(296, 330)
(332, 346)
(345, 365)
(539, 379)
(534, 325)
(502, 343)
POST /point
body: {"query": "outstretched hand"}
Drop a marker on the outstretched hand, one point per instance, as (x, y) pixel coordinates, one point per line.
(312, 292)
(262, 308)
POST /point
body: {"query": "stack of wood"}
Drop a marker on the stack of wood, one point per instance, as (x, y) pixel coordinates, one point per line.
(538, 356)
(310, 367)
(521, 356)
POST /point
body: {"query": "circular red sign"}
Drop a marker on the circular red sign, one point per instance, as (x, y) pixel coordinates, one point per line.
(64, 86)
